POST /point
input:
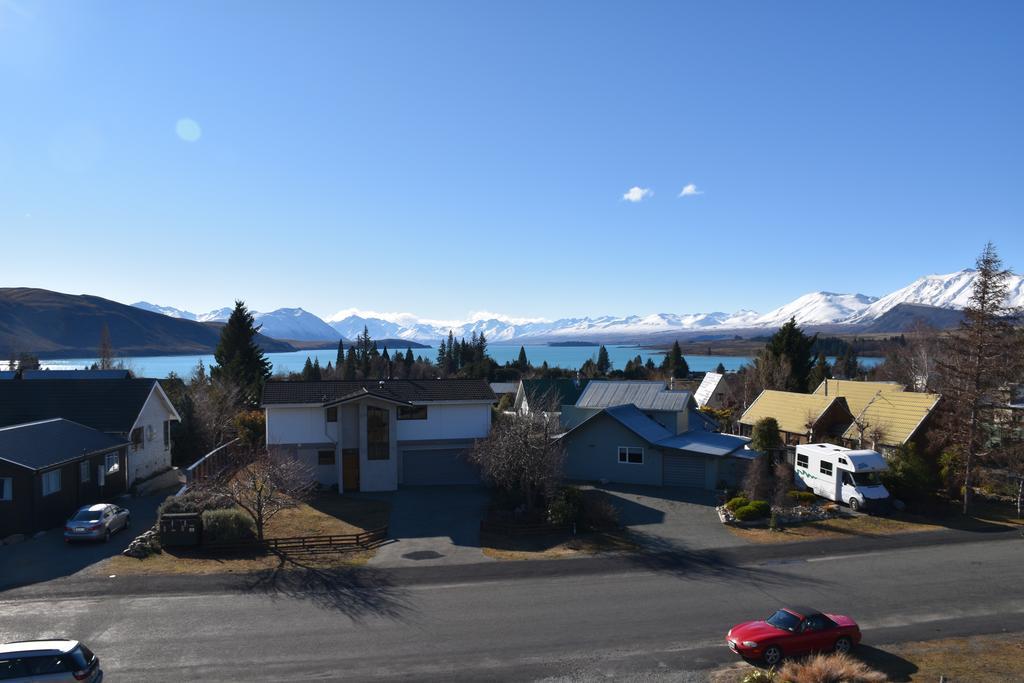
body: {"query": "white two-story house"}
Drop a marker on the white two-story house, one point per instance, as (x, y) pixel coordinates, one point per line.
(377, 435)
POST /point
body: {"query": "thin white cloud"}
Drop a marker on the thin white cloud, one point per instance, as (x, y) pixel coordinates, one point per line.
(638, 194)
(690, 191)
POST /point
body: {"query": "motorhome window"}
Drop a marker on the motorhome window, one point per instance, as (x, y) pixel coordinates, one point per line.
(842, 461)
(826, 468)
(866, 479)
(801, 460)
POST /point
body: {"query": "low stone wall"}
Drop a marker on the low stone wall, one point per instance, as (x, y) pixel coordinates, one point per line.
(786, 516)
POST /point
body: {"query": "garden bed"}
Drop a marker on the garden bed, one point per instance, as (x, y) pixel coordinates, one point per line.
(800, 514)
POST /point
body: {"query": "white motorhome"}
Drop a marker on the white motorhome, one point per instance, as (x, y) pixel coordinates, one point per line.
(843, 475)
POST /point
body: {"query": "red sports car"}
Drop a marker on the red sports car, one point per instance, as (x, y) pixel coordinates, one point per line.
(793, 631)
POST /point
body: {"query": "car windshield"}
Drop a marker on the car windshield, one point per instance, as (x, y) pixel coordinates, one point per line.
(866, 479)
(784, 620)
(87, 516)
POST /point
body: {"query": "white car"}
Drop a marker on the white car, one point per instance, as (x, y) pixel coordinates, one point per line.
(36, 661)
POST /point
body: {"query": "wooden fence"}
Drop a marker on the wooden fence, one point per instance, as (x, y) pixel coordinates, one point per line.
(305, 545)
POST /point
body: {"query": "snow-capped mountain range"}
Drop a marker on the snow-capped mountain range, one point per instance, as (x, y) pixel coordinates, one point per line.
(950, 291)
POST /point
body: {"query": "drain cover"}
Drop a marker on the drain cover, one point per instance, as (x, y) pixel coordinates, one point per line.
(423, 555)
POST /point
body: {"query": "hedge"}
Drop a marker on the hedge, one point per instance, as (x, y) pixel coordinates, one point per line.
(227, 526)
(803, 497)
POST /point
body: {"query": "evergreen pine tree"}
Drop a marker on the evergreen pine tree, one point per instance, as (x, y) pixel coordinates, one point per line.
(329, 371)
(720, 369)
(385, 364)
(239, 360)
(340, 360)
(442, 356)
(522, 362)
(675, 364)
(450, 359)
(819, 373)
(409, 360)
(604, 363)
(307, 370)
(317, 373)
(349, 373)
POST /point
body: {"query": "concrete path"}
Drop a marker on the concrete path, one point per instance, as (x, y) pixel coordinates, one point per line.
(434, 525)
(671, 517)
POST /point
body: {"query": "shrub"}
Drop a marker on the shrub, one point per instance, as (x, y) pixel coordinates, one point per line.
(599, 513)
(909, 476)
(759, 676)
(193, 501)
(566, 507)
(834, 668)
(804, 498)
(227, 526)
(756, 509)
(736, 503)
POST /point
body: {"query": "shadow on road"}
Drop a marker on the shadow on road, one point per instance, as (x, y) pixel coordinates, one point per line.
(659, 554)
(356, 592)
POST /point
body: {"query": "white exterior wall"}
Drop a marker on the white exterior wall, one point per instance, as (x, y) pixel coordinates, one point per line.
(152, 457)
(307, 425)
(288, 425)
(448, 421)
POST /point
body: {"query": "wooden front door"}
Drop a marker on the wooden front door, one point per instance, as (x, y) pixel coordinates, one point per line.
(350, 468)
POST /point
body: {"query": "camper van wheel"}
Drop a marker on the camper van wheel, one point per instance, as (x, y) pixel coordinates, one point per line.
(844, 645)
(854, 505)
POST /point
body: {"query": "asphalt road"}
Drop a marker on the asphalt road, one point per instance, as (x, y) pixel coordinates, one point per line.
(648, 622)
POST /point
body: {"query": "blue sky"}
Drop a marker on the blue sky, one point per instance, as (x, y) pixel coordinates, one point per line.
(443, 158)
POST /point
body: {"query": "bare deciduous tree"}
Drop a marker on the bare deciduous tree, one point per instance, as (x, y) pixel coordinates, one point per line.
(521, 455)
(270, 482)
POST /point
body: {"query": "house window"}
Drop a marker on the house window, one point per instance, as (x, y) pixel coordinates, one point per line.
(629, 455)
(801, 460)
(332, 414)
(325, 457)
(6, 488)
(85, 471)
(826, 468)
(137, 438)
(412, 413)
(167, 435)
(111, 463)
(51, 482)
(378, 442)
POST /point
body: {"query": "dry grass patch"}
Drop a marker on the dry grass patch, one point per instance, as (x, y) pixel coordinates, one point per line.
(326, 515)
(980, 659)
(839, 527)
(555, 546)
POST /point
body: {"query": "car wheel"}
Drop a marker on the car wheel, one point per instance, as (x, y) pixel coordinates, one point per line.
(854, 505)
(772, 655)
(844, 645)
(106, 536)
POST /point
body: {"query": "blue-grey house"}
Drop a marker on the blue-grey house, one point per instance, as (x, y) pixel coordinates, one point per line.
(648, 434)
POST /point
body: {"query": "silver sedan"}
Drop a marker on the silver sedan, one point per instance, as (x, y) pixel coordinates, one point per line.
(96, 523)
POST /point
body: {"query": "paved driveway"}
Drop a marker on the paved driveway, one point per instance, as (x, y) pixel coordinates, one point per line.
(48, 557)
(674, 518)
(434, 525)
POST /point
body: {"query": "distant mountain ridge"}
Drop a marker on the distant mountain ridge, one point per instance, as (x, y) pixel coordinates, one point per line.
(930, 298)
(56, 325)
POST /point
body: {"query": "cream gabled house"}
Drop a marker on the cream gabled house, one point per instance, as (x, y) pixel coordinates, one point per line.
(377, 435)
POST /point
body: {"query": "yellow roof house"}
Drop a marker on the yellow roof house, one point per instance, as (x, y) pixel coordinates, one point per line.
(857, 394)
(891, 418)
(810, 415)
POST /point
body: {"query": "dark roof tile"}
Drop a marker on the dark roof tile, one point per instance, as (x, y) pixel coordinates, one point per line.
(109, 405)
(39, 445)
(411, 390)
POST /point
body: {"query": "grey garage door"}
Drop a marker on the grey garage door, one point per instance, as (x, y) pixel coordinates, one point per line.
(684, 470)
(437, 467)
